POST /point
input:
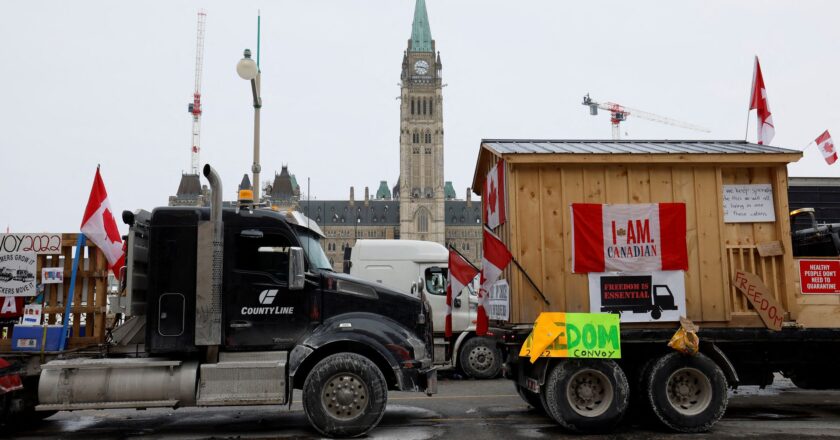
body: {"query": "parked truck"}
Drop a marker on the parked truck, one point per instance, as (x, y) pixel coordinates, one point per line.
(412, 266)
(239, 306)
(761, 307)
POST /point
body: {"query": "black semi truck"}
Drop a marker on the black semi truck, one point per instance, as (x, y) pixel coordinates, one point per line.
(240, 307)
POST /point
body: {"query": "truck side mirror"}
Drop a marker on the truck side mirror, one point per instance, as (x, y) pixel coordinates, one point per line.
(296, 268)
(421, 284)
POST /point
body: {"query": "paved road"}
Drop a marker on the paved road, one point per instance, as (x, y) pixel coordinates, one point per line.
(464, 409)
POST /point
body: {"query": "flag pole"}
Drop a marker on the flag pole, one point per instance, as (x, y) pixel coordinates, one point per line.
(747, 128)
(80, 242)
(527, 277)
(465, 258)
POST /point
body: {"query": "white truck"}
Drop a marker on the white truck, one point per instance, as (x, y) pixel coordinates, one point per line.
(410, 265)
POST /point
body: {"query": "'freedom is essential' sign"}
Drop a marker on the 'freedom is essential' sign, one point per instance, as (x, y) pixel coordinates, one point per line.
(574, 335)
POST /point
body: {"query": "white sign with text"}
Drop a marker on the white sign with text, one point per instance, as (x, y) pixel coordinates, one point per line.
(498, 303)
(748, 203)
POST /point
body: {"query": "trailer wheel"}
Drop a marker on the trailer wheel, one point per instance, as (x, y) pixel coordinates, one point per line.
(587, 395)
(687, 393)
(530, 398)
(344, 395)
(480, 358)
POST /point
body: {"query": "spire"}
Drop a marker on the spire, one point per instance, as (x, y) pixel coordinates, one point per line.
(421, 35)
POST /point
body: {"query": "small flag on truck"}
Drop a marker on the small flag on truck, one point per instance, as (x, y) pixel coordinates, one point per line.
(99, 226)
(495, 257)
(826, 146)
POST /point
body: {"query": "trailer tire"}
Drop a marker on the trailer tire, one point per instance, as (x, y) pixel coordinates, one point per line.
(480, 358)
(357, 406)
(586, 395)
(533, 399)
(686, 393)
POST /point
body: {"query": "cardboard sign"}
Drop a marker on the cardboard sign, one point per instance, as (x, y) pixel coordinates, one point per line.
(819, 277)
(39, 243)
(748, 203)
(770, 249)
(574, 335)
(645, 297)
(771, 313)
(17, 273)
(32, 314)
(499, 301)
(52, 275)
(11, 306)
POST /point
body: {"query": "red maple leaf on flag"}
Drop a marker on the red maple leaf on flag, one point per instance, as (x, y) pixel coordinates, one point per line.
(829, 147)
(110, 226)
(491, 198)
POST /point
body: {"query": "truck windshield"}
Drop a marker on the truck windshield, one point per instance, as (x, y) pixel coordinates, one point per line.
(312, 247)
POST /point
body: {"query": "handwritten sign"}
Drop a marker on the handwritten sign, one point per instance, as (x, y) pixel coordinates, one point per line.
(32, 314)
(17, 273)
(819, 277)
(574, 335)
(52, 275)
(44, 243)
(499, 301)
(748, 203)
(757, 293)
(770, 248)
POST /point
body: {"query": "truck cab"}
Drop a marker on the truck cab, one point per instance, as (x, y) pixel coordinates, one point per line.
(240, 306)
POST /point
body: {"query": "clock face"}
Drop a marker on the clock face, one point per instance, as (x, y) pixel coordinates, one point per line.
(421, 67)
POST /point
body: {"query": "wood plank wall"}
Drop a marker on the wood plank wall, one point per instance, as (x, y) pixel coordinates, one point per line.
(539, 234)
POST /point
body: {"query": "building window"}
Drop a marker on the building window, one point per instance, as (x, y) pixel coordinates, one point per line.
(422, 221)
(431, 106)
(428, 138)
(424, 106)
(412, 106)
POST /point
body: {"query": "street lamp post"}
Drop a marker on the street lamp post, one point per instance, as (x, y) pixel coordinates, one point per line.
(249, 70)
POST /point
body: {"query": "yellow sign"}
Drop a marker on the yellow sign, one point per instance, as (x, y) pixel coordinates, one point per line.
(574, 335)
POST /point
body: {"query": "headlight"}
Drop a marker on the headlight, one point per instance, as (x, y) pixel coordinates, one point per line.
(418, 347)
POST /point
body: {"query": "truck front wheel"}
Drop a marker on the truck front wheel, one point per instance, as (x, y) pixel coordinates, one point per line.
(480, 358)
(686, 393)
(585, 395)
(344, 395)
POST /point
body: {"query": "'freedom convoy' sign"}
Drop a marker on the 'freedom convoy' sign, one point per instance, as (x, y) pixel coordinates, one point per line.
(38, 243)
(17, 273)
(819, 277)
(574, 335)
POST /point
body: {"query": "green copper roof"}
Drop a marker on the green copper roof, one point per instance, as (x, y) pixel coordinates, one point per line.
(383, 192)
(421, 35)
(448, 191)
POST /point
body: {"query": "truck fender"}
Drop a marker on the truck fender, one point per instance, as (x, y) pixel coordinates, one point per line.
(714, 352)
(382, 340)
(461, 338)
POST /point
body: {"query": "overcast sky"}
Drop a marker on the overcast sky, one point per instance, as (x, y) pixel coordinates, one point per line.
(87, 83)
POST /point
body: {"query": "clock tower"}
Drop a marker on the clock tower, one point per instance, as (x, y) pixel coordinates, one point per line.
(421, 187)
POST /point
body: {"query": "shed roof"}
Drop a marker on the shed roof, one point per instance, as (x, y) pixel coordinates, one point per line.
(628, 151)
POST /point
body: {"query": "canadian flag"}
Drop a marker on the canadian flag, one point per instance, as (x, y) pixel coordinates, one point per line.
(495, 258)
(826, 146)
(99, 225)
(640, 237)
(758, 101)
(493, 197)
(461, 273)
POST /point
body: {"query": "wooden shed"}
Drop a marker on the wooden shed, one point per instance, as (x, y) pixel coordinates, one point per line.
(544, 177)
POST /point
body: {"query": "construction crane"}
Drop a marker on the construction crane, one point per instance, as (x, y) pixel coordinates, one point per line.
(195, 106)
(619, 113)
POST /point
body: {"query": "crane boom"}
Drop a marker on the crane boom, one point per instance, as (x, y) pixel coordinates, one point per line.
(619, 113)
(195, 106)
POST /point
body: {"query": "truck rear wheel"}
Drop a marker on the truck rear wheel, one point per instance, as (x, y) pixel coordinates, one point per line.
(480, 358)
(344, 395)
(686, 393)
(584, 395)
(530, 398)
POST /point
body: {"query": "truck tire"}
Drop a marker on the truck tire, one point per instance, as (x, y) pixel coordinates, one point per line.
(530, 398)
(344, 395)
(686, 393)
(586, 395)
(480, 358)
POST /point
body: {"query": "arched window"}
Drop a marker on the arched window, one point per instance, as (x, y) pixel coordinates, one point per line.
(424, 106)
(412, 106)
(428, 138)
(431, 106)
(422, 221)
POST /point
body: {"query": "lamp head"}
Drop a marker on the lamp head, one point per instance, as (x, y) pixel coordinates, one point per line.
(247, 67)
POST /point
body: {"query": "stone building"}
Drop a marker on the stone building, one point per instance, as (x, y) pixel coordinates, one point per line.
(421, 206)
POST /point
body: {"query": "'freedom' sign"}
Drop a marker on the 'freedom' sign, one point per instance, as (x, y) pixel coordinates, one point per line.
(574, 335)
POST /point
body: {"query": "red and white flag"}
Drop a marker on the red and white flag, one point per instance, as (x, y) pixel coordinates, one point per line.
(461, 273)
(495, 257)
(493, 197)
(826, 146)
(628, 238)
(99, 226)
(758, 101)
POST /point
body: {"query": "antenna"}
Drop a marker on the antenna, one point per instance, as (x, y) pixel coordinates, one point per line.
(308, 211)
